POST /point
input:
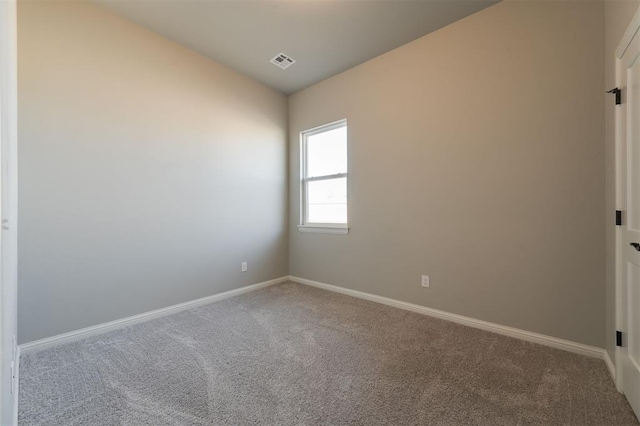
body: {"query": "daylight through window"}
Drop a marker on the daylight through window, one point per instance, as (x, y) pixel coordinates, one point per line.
(324, 175)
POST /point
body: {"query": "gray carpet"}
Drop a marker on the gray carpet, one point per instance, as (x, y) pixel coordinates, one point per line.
(295, 355)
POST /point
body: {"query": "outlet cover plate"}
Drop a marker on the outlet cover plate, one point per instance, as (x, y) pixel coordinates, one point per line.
(425, 281)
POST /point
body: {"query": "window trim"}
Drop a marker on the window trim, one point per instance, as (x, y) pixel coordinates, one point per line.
(317, 227)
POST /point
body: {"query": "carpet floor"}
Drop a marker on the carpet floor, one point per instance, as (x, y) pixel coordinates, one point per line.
(296, 355)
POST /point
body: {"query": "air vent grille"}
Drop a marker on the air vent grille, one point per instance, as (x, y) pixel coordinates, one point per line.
(283, 61)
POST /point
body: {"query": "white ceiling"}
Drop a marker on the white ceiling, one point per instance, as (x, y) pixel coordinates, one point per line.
(325, 37)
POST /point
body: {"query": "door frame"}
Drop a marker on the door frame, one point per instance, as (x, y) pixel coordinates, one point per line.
(8, 212)
(620, 191)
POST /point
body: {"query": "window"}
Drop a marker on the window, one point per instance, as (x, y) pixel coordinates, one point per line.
(323, 175)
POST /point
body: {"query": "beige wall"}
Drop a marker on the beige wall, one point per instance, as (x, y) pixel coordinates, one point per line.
(618, 14)
(476, 157)
(148, 173)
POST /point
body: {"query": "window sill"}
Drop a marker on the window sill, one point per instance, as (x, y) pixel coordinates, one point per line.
(324, 229)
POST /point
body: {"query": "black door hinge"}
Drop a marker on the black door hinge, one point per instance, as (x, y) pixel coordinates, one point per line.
(618, 217)
(618, 94)
(619, 338)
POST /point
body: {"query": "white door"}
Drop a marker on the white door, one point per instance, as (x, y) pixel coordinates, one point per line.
(628, 253)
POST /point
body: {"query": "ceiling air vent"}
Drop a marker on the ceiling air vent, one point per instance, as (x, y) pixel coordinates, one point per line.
(283, 61)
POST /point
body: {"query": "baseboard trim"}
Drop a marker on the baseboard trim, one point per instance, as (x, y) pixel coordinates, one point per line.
(610, 366)
(529, 336)
(76, 335)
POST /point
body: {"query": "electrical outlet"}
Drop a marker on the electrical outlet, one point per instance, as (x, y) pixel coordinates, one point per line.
(244, 267)
(425, 281)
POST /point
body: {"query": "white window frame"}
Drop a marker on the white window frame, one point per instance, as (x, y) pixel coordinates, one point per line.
(305, 225)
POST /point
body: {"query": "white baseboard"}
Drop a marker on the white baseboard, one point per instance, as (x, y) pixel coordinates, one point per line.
(73, 336)
(529, 336)
(610, 366)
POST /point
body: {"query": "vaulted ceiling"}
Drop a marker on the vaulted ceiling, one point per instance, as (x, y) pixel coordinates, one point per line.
(325, 37)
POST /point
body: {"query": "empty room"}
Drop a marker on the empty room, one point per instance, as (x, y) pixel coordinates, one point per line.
(319, 212)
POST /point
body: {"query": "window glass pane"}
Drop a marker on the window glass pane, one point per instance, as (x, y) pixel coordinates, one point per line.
(327, 201)
(327, 153)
